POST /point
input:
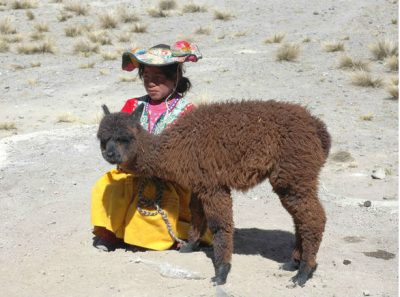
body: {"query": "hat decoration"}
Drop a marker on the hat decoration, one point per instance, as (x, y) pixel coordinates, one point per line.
(161, 55)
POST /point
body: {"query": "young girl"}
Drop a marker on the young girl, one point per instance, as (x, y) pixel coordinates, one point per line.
(134, 210)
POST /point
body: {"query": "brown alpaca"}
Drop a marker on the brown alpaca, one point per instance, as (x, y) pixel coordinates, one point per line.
(232, 145)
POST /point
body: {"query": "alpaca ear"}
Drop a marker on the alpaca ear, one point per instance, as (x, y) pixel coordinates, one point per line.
(105, 109)
(137, 113)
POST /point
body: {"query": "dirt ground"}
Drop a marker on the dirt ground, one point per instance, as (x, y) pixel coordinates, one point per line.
(50, 157)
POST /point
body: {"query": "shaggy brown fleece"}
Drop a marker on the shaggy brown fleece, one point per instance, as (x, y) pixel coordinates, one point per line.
(232, 145)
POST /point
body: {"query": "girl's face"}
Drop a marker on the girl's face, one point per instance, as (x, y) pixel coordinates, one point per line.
(157, 85)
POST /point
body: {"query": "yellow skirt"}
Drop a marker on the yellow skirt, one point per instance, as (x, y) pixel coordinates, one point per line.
(114, 207)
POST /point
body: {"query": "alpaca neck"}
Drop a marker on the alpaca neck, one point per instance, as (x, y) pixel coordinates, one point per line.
(146, 161)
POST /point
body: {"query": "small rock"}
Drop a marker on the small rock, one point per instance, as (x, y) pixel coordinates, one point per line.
(367, 203)
(378, 173)
(366, 293)
(346, 262)
(315, 13)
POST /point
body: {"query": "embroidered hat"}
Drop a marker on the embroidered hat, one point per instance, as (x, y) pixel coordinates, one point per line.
(161, 55)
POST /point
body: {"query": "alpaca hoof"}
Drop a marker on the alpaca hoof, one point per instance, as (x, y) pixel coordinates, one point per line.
(221, 274)
(305, 273)
(189, 247)
(292, 265)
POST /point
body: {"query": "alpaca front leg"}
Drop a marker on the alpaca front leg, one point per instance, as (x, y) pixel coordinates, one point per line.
(198, 226)
(217, 207)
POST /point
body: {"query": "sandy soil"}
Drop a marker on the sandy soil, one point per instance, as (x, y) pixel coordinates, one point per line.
(47, 165)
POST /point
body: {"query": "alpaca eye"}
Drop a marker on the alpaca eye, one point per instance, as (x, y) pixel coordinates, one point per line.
(123, 139)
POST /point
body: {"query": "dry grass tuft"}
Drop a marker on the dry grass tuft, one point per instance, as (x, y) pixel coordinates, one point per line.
(157, 13)
(7, 26)
(104, 72)
(108, 21)
(64, 16)
(35, 36)
(67, 118)
(42, 27)
(393, 88)
(383, 49)
(108, 56)
(288, 52)
(127, 15)
(167, 4)
(394, 21)
(276, 38)
(125, 78)
(8, 126)
(100, 37)
(306, 40)
(77, 8)
(240, 34)
(346, 62)
(32, 82)
(13, 38)
(73, 31)
(124, 37)
(364, 79)
(192, 8)
(139, 28)
(393, 63)
(203, 31)
(333, 46)
(30, 15)
(222, 15)
(46, 46)
(4, 47)
(85, 47)
(35, 64)
(24, 4)
(87, 65)
(367, 117)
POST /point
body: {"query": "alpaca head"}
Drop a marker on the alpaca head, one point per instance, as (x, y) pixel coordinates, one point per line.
(117, 134)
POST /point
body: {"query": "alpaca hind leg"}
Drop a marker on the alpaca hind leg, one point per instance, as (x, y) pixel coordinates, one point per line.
(217, 207)
(198, 225)
(294, 262)
(309, 218)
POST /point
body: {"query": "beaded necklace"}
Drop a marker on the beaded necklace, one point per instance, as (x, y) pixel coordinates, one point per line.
(163, 115)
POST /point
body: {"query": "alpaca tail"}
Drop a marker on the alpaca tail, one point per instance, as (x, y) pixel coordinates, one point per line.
(323, 135)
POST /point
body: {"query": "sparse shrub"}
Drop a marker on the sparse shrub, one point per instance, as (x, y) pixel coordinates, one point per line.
(85, 47)
(394, 21)
(4, 47)
(127, 15)
(203, 31)
(108, 21)
(240, 34)
(87, 65)
(42, 27)
(307, 39)
(222, 15)
(393, 88)
(392, 62)
(107, 56)
(192, 8)
(77, 8)
(35, 64)
(8, 126)
(167, 4)
(139, 28)
(157, 13)
(288, 52)
(24, 4)
(364, 79)
(276, 38)
(30, 15)
(7, 26)
(100, 37)
(346, 62)
(383, 49)
(333, 46)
